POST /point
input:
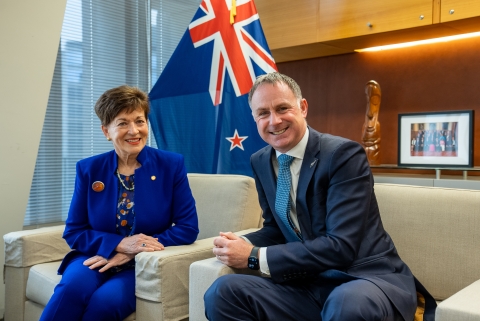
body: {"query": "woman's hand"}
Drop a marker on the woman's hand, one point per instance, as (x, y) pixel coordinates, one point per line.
(95, 261)
(99, 261)
(139, 243)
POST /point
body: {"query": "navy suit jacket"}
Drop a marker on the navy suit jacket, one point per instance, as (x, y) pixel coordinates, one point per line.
(344, 238)
(164, 205)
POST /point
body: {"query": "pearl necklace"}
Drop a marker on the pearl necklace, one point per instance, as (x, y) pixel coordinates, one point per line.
(121, 181)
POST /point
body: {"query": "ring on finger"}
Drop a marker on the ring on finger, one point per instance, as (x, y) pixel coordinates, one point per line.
(143, 244)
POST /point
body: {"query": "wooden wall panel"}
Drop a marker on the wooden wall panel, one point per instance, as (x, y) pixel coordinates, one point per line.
(459, 9)
(436, 11)
(345, 18)
(286, 23)
(438, 77)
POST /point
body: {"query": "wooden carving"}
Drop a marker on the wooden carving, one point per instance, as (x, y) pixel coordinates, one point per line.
(371, 127)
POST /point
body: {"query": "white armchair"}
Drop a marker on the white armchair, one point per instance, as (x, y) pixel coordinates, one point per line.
(32, 257)
(202, 274)
(435, 231)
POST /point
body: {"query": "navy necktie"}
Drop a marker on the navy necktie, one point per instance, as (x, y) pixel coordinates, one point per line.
(282, 199)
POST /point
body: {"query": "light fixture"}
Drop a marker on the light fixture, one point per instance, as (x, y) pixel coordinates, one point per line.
(421, 42)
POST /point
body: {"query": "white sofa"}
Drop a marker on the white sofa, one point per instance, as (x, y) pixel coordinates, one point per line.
(436, 232)
(32, 257)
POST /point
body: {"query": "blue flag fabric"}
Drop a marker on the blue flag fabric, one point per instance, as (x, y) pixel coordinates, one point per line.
(199, 105)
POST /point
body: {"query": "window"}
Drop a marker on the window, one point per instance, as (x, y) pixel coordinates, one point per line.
(104, 44)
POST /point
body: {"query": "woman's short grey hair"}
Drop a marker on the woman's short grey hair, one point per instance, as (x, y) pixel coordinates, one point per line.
(274, 78)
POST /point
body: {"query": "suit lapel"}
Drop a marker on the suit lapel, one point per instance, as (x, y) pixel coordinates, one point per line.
(309, 165)
(268, 176)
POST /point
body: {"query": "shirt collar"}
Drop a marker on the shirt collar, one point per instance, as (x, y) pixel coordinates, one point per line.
(299, 150)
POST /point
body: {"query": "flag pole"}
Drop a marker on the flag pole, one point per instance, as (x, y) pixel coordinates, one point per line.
(218, 137)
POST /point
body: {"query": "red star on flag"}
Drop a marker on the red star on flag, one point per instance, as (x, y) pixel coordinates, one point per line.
(236, 140)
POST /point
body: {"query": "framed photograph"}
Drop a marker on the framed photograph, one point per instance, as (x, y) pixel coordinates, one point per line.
(436, 139)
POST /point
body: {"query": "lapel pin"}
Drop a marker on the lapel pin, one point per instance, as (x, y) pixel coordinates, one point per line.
(153, 177)
(313, 163)
(98, 186)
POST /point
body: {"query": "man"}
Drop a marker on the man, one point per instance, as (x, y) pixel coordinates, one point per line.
(322, 247)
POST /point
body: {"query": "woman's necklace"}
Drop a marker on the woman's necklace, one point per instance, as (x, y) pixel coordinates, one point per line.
(123, 183)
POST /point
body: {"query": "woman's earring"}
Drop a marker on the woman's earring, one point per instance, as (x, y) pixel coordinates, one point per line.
(109, 139)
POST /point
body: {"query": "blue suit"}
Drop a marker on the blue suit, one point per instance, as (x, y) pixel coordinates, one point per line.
(344, 240)
(164, 208)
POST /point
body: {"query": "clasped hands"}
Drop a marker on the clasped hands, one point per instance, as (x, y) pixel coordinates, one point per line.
(126, 250)
(232, 250)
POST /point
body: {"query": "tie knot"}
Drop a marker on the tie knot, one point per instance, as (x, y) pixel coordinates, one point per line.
(285, 160)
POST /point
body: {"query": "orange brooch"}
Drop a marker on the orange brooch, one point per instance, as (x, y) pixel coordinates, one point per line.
(98, 186)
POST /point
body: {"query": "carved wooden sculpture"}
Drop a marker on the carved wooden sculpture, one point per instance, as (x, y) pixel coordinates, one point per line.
(371, 127)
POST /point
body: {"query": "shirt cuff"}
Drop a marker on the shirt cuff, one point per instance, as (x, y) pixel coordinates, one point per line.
(263, 258)
(263, 261)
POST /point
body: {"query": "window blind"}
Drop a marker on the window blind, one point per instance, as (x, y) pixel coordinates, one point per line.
(104, 44)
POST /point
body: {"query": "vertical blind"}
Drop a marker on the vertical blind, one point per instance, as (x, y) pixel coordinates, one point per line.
(104, 44)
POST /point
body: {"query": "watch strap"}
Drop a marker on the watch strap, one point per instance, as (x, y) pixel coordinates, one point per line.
(253, 262)
(254, 251)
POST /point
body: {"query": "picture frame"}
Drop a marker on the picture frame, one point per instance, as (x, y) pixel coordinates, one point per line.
(436, 139)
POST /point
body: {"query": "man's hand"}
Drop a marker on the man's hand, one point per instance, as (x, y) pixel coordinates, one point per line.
(232, 250)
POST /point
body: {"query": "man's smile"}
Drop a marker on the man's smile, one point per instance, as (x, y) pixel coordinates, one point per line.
(279, 132)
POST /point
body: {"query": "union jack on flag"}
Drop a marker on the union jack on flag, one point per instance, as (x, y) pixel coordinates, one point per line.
(199, 104)
(233, 49)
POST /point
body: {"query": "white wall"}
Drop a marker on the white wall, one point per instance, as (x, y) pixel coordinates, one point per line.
(29, 37)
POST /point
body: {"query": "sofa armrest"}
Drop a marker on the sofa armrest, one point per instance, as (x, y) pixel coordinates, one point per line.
(24, 249)
(462, 306)
(30, 247)
(163, 276)
(202, 275)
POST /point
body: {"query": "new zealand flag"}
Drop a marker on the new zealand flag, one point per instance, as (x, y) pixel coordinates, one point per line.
(200, 102)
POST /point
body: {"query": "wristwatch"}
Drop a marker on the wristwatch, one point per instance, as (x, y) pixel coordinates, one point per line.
(253, 262)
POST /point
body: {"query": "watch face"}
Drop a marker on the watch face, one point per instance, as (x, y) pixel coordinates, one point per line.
(253, 263)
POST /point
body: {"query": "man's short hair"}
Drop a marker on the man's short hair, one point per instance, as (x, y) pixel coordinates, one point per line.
(273, 78)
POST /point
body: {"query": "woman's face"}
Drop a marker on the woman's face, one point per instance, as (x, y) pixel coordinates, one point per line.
(128, 133)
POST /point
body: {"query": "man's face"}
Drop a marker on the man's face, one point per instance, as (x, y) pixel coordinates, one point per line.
(279, 117)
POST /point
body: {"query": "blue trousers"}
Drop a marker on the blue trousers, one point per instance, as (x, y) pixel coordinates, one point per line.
(85, 294)
(246, 297)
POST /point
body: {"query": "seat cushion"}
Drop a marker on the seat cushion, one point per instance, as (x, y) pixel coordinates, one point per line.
(42, 279)
(462, 306)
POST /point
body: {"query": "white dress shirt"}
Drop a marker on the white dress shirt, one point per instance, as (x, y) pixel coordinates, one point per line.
(298, 152)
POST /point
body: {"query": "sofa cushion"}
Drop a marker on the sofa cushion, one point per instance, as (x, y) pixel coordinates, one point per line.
(462, 306)
(224, 196)
(435, 231)
(42, 280)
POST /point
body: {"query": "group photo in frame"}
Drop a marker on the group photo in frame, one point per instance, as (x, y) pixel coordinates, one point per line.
(436, 139)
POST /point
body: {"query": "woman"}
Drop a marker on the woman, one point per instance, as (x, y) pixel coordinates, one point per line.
(130, 200)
